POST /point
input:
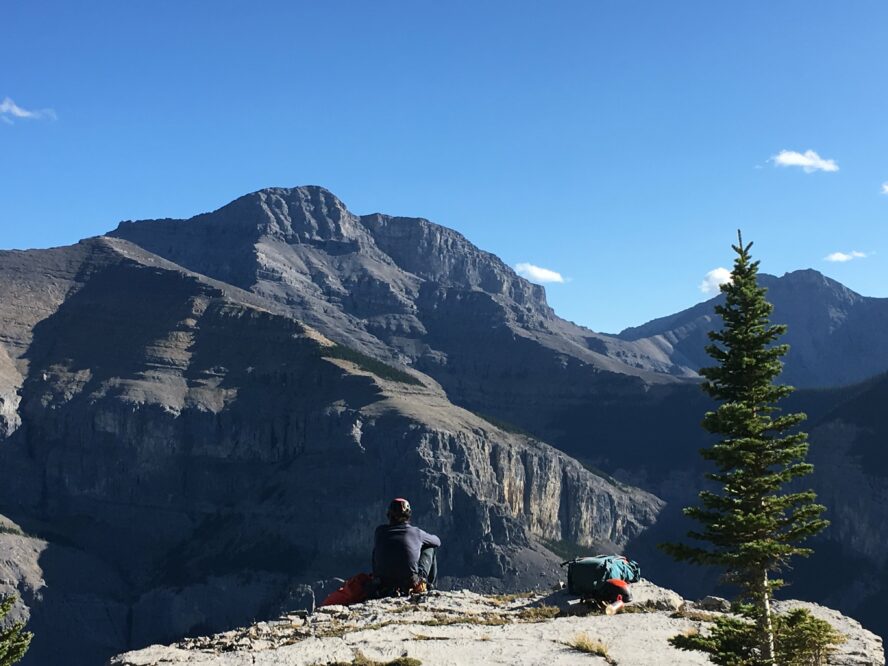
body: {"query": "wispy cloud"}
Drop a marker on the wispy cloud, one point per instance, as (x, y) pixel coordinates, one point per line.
(885, 187)
(715, 279)
(809, 161)
(537, 273)
(10, 110)
(845, 256)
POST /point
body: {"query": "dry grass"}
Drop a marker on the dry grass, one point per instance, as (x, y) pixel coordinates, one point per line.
(426, 637)
(361, 660)
(538, 613)
(582, 642)
(506, 599)
(696, 615)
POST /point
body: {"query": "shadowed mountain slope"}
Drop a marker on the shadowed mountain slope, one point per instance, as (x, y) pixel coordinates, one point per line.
(836, 336)
(217, 409)
(411, 292)
(209, 454)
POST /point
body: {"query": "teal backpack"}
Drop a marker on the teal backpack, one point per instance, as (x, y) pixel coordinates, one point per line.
(586, 575)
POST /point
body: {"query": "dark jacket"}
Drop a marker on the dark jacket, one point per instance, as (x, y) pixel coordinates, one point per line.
(396, 550)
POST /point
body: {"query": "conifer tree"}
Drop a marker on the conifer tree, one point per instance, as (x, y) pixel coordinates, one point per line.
(751, 524)
(14, 641)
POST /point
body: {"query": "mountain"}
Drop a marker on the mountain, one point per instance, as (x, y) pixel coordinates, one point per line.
(199, 418)
(410, 292)
(836, 336)
(200, 454)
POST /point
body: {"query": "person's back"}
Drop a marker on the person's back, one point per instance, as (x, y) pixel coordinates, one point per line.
(403, 555)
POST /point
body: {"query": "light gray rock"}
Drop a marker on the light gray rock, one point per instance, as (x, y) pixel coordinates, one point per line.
(647, 595)
(714, 604)
(454, 628)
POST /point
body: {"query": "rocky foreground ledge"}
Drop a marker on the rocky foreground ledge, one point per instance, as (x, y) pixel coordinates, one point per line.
(468, 628)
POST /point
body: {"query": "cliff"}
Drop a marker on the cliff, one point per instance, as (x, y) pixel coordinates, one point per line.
(455, 628)
(206, 454)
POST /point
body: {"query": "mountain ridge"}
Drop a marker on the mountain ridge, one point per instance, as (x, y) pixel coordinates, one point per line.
(221, 370)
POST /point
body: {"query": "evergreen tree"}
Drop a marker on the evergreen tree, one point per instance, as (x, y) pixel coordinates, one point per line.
(751, 526)
(14, 641)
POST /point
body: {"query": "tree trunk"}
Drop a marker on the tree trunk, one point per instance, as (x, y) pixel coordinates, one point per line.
(766, 626)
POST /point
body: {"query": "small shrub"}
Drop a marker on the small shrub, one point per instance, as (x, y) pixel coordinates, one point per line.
(801, 640)
(804, 640)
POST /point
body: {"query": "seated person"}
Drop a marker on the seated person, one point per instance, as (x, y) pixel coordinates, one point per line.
(404, 557)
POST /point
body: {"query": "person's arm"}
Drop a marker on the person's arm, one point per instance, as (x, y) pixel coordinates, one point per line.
(429, 540)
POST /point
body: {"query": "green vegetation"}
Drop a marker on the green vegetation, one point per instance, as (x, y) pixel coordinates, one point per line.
(14, 641)
(505, 426)
(800, 639)
(369, 364)
(9, 529)
(750, 527)
(582, 642)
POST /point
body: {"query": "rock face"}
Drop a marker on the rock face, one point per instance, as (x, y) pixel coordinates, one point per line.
(74, 593)
(836, 336)
(454, 628)
(851, 479)
(212, 453)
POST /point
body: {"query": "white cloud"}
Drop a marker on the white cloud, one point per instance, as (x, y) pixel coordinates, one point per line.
(715, 279)
(885, 187)
(809, 161)
(845, 256)
(9, 110)
(538, 274)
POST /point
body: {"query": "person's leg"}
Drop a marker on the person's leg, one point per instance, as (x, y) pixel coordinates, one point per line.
(428, 565)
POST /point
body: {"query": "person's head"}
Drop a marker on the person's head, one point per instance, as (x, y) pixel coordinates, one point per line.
(398, 511)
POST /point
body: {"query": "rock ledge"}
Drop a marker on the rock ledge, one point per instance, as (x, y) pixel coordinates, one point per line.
(464, 627)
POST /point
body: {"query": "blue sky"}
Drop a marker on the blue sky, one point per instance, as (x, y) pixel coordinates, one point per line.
(619, 144)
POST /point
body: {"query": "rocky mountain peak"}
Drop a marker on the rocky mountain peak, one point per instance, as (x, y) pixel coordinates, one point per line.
(445, 256)
(809, 279)
(293, 214)
(306, 213)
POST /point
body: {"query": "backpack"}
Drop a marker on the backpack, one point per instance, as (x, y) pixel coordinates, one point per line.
(353, 591)
(587, 575)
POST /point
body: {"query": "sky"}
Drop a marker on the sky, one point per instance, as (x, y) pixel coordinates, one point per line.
(607, 149)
